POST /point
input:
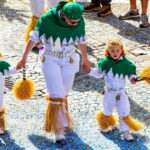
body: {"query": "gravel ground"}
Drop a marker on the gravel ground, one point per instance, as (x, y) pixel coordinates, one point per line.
(25, 119)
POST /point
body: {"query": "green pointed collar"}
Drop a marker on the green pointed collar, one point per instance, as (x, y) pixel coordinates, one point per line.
(122, 66)
(4, 66)
(51, 25)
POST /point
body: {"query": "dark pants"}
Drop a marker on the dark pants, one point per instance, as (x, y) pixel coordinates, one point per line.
(102, 2)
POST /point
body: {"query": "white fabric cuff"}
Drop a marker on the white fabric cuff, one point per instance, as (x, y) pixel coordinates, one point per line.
(34, 36)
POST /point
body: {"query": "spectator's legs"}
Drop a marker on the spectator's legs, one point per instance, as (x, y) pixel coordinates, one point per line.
(93, 6)
(133, 5)
(132, 13)
(106, 8)
(144, 18)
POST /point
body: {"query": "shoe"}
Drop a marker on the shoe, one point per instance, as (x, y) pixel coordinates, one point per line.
(105, 11)
(61, 142)
(144, 21)
(131, 14)
(127, 136)
(92, 7)
(2, 131)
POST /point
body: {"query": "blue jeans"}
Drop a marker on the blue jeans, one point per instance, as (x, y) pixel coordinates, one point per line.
(102, 2)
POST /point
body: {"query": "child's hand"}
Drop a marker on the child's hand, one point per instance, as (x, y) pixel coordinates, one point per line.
(133, 80)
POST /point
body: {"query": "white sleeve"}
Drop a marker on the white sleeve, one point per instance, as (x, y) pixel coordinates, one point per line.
(10, 71)
(132, 76)
(96, 73)
(34, 36)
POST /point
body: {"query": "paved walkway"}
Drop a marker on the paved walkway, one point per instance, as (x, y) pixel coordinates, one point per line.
(25, 119)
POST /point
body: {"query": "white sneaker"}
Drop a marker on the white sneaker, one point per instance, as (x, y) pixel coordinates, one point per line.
(60, 135)
(127, 136)
(2, 131)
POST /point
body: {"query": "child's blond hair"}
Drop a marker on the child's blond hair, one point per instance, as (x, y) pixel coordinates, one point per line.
(114, 42)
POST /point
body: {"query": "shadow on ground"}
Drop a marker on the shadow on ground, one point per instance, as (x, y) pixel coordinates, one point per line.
(11, 13)
(6, 143)
(73, 142)
(137, 144)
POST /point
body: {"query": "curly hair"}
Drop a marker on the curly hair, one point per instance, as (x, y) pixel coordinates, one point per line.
(114, 42)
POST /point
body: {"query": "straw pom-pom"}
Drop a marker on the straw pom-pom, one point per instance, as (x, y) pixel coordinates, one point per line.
(145, 74)
(23, 89)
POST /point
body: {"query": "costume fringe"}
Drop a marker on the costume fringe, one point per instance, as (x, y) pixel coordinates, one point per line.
(133, 124)
(52, 121)
(30, 27)
(104, 121)
(1, 55)
(2, 119)
(23, 89)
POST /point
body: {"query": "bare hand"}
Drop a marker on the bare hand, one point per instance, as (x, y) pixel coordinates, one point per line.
(133, 80)
(86, 66)
(21, 64)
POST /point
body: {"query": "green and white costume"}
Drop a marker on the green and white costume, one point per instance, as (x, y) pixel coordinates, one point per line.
(59, 41)
(5, 70)
(114, 73)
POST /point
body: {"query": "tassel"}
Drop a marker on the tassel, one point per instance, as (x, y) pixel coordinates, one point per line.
(69, 0)
(2, 119)
(30, 27)
(52, 120)
(145, 74)
(133, 124)
(24, 89)
(104, 121)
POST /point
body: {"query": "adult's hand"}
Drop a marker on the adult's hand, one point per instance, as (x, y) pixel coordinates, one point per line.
(21, 64)
(86, 66)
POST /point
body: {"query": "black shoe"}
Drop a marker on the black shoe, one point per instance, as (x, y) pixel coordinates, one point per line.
(61, 142)
(105, 11)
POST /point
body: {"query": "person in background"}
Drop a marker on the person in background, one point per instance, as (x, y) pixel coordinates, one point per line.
(103, 6)
(134, 13)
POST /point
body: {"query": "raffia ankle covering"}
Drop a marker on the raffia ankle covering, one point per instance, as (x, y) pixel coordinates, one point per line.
(30, 27)
(105, 122)
(2, 119)
(133, 124)
(53, 122)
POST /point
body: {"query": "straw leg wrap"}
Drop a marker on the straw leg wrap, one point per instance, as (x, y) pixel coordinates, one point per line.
(57, 117)
(2, 119)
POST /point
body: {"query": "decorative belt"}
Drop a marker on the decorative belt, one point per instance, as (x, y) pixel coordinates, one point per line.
(59, 54)
(114, 91)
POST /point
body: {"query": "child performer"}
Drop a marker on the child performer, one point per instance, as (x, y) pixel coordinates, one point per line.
(5, 70)
(114, 68)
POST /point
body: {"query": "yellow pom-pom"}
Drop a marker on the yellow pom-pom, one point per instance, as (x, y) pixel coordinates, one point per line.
(24, 89)
(145, 74)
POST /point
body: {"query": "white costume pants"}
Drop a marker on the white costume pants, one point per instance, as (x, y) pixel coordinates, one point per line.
(123, 106)
(59, 77)
(37, 6)
(2, 83)
(59, 74)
